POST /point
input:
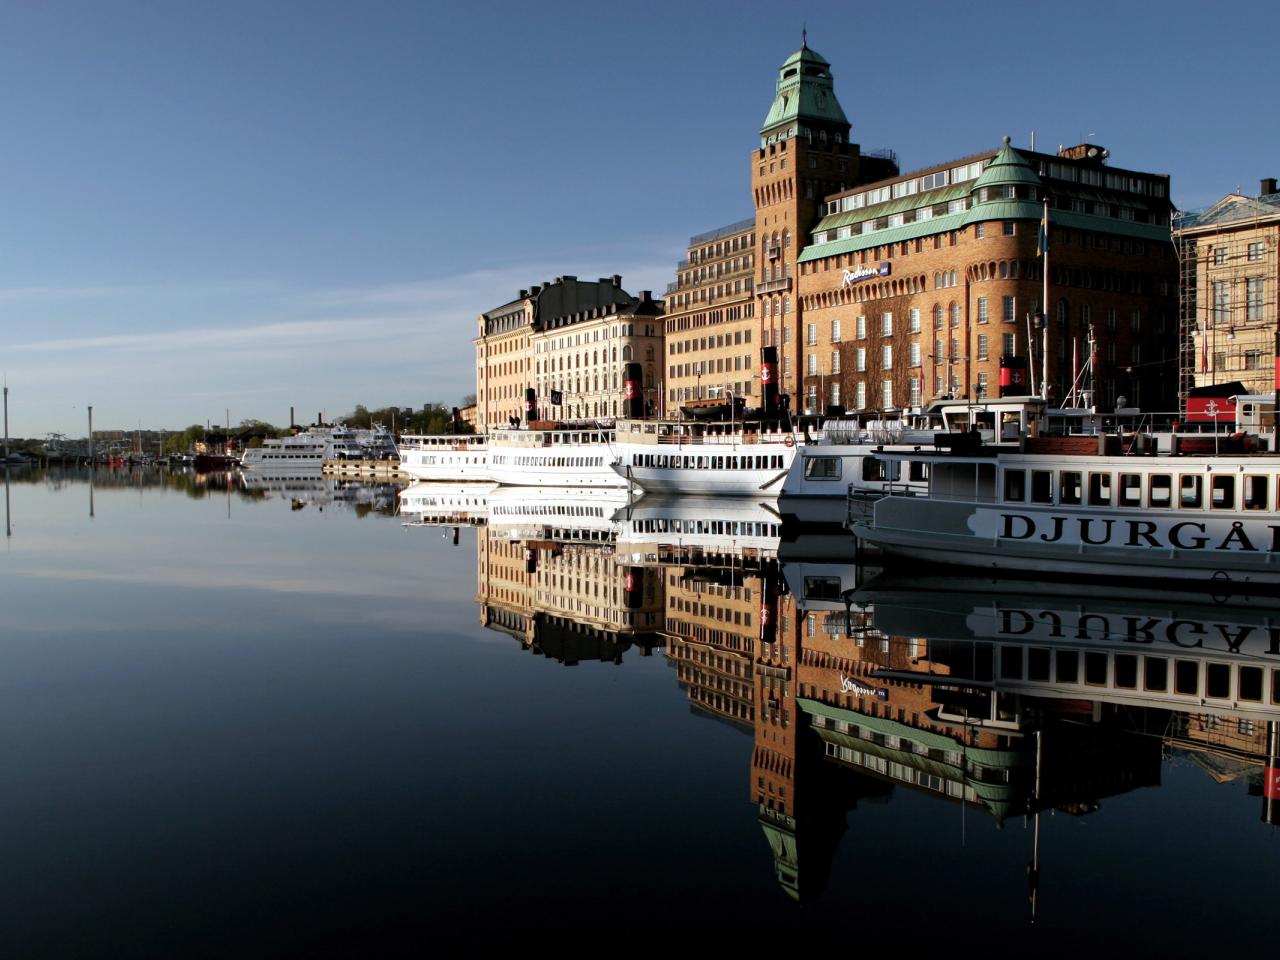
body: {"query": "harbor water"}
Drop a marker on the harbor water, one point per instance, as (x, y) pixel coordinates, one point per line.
(250, 721)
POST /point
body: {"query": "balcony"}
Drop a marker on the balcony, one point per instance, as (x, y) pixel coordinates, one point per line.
(774, 286)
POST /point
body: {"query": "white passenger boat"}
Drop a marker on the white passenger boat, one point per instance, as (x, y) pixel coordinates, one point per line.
(1162, 517)
(554, 456)
(311, 448)
(459, 457)
(842, 463)
(723, 458)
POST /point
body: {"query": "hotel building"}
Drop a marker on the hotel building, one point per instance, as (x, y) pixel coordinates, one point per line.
(884, 290)
(921, 286)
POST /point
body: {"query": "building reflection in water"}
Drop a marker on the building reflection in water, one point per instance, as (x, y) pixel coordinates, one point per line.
(1003, 700)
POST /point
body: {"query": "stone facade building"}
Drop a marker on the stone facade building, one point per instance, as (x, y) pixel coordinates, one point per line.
(563, 336)
(1230, 285)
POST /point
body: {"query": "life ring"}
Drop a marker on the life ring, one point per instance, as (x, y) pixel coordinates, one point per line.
(789, 440)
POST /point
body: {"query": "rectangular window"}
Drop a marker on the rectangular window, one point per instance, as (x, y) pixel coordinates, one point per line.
(979, 231)
(982, 346)
(1008, 226)
(1069, 487)
(886, 324)
(812, 339)
(1221, 301)
(1219, 256)
(813, 364)
(915, 392)
(835, 330)
(1222, 492)
(915, 320)
(886, 394)
(835, 361)
(981, 386)
(860, 396)
(860, 361)
(915, 354)
(983, 316)
(1254, 290)
(886, 356)
(1007, 344)
(1015, 485)
(1255, 252)
(860, 328)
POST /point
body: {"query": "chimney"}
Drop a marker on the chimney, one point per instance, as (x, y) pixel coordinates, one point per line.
(646, 296)
(617, 279)
(1268, 186)
(523, 294)
(533, 291)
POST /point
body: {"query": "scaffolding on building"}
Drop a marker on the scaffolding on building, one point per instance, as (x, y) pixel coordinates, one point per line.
(1228, 291)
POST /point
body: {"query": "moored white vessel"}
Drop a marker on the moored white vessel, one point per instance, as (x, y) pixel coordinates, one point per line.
(1197, 518)
(311, 448)
(462, 457)
(553, 455)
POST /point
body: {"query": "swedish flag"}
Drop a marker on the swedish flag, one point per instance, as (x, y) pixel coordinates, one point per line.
(1042, 239)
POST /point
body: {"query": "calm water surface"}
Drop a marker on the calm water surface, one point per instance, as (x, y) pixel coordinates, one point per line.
(258, 722)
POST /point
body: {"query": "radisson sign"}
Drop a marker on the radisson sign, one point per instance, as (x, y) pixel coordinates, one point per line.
(865, 273)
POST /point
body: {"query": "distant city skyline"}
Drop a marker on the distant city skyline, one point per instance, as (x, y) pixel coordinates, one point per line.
(253, 207)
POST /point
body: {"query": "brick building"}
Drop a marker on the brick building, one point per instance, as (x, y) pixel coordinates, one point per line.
(915, 287)
(888, 290)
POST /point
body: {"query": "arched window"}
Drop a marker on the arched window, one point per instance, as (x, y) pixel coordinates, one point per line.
(626, 352)
(955, 314)
(937, 316)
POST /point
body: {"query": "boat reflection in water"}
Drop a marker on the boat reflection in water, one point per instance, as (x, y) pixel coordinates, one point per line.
(1002, 699)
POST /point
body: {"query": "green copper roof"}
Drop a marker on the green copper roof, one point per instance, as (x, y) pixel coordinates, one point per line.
(1007, 168)
(805, 92)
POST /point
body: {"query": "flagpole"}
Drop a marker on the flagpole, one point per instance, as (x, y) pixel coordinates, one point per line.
(1044, 360)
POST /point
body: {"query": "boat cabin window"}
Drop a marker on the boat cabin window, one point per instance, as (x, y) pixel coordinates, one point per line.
(1217, 681)
(1011, 663)
(1099, 489)
(1255, 492)
(1095, 668)
(1186, 677)
(1160, 491)
(1015, 485)
(1155, 672)
(1222, 492)
(1275, 686)
(874, 469)
(1190, 496)
(1249, 684)
(1038, 664)
(918, 471)
(1068, 666)
(1126, 675)
(1069, 487)
(822, 468)
(1042, 486)
(1130, 490)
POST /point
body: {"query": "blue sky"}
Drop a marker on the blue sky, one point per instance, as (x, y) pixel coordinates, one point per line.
(258, 205)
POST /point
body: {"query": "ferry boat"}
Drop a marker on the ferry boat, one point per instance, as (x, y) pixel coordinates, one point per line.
(313, 447)
(549, 454)
(843, 463)
(462, 457)
(726, 458)
(1094, 513)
